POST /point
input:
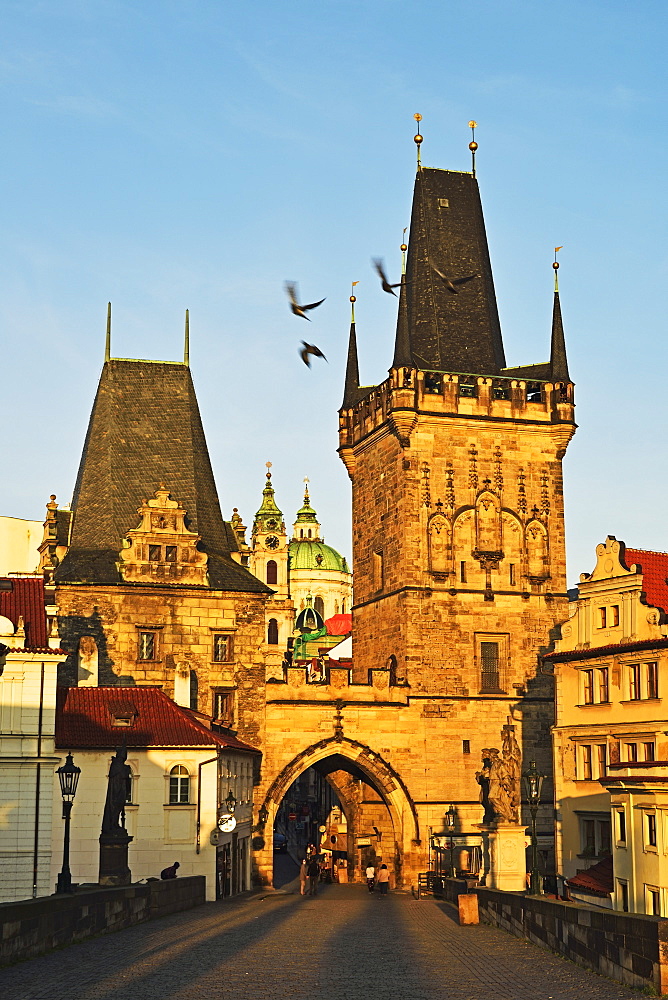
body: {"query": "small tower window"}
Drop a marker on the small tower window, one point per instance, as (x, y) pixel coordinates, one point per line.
(147, 646)
(170, 553)
(272, 571)
(194, 691)
(154, 553)
(272, 632)
(309, 532)
(319, 606)
(222, 648)
(462, 572)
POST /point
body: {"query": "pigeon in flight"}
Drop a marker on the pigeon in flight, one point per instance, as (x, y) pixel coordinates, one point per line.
(379, 264)
(451, 284)
(291, 289)
(310, 349)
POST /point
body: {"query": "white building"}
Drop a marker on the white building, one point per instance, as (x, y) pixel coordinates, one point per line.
(192, 786)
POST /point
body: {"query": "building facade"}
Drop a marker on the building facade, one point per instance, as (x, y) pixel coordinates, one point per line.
(610, 743)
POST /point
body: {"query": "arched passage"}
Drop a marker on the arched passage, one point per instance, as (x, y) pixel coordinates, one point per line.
(335, 758)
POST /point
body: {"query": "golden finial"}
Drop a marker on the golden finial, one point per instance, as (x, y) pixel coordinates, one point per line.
(353, 300)
(556, 268)
(473, 145)
(404, 248)
(418, 138)
(107, 343)
(268, 464)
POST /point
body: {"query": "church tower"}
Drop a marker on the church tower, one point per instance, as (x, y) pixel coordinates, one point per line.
(458, 518)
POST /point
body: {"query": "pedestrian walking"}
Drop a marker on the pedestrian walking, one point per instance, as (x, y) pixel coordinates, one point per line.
(313, 872)
(383, 880)
(303, 877)
(370, 877)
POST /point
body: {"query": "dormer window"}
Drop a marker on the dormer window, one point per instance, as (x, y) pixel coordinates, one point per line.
(123, 713)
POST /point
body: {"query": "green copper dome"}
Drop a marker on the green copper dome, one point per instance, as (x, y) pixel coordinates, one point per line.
(312, 554)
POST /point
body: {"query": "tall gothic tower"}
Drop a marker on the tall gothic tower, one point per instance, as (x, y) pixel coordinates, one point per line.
(458, 520)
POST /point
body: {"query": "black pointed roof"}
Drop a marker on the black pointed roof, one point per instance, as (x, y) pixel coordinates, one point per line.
(145, 429)
(558, 359)
(446, 331)
(352, 392)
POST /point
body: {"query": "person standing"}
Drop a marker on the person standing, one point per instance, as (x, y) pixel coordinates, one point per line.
(383, 880)
(370, 877)
(313, 872)
(302, 877)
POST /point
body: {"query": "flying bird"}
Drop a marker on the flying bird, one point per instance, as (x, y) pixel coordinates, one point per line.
(451, 284)
(379, 264)
(291, 289)
(310, 349)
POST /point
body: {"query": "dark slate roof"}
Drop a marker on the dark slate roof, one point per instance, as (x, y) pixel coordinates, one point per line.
(445, 331)
(84, 719)
(23, 597)
(145, 429)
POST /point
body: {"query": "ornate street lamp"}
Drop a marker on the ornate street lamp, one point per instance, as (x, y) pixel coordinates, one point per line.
(68, 775)
(230, 802)
(263, 815)
(450, 821)
(533, 784)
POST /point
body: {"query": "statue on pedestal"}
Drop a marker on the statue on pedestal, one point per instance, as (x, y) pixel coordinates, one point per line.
(500, 779)
(119, 786)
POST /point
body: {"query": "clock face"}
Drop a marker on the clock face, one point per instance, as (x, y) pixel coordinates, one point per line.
(227, 823)
(271, 542)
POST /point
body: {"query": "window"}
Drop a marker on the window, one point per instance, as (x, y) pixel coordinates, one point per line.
(272, 632)
(652, 900)
(603, 689)
(588, 687)
(462, 572)
(585, 756)
(272, 571)
(650, 829)
(319, 606)
(170, 553)
(614, 616)
(601, 617)
(631, 752)
(222, 648)
(648, 749)
(652, 681)
(605, 846)
(602, 759)
(223, 706)
(131, 785)
(466, 746)
(634, 682)
(148, 645)
(489, 660)
(194, 691)
(623, 894)
(511, 574)
(154, 553)
(179, 785)
(589, 837)
(378, 571)
(595, 835)
(621, 826)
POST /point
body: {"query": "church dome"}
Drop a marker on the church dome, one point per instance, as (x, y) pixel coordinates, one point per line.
(312, 554)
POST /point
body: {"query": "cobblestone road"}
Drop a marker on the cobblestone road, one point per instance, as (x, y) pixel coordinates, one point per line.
(341, 945)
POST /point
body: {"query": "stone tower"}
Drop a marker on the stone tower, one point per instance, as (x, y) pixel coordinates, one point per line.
(458, 520)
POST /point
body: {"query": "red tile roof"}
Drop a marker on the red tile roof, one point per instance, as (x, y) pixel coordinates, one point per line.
(85, 715)
(597, 880)
(654, 574)
(25, 598)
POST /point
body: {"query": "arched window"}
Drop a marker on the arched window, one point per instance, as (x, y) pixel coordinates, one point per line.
(309, 532)
(343, 607)
(272, 632)
(179, 785)
(319, 606)
(194, 690)
(272, 571)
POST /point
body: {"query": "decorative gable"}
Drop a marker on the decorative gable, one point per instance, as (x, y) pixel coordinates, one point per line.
(162, 549)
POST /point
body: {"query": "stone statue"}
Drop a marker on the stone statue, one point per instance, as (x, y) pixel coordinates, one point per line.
(482, 777)
(500, 780)
(119, 786)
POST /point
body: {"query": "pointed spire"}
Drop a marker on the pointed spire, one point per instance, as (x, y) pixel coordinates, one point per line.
(402, 346)
(558, 360)
(186, 343)
(107, 344)
(352, 384)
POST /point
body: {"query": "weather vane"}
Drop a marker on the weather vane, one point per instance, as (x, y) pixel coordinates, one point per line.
(418, 139)
(473, 145)
(353, 300)
(556, 268)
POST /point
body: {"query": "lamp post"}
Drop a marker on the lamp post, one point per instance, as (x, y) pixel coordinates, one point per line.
(450, 820)
(533, 784)
(68, 775)
(230, 802)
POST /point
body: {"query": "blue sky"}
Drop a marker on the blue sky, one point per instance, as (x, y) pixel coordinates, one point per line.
(172, 155)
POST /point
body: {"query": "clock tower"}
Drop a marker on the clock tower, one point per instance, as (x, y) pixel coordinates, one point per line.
(269, 563)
